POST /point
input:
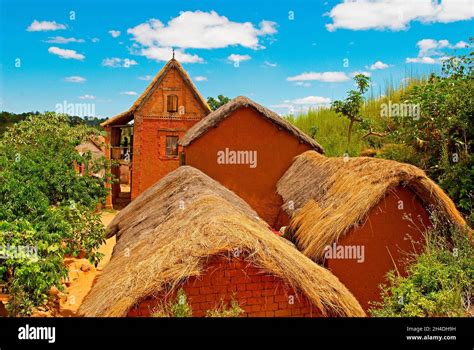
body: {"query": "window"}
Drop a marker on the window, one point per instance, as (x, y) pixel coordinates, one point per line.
(172, 103)
(172, 146)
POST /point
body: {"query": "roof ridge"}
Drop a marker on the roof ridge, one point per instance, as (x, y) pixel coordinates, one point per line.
(215, 117)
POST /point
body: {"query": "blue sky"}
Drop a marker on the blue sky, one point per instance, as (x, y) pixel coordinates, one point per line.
(291, 54)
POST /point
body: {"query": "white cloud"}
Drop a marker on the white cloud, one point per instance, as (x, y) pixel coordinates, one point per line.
(130, 93)
(87, 97)
(397, 14)
(431, 47)
(425, 60)
(311, 100)
(66, 54)
(283, 106)
(43, 26)
(235, 58)
(116, 62)
(165, 54)
(200, 78)
(75, 79)
(114, 33)
(431, 50)
(302, 104)
(95, 40)
(201, 30)
(146, 77)
(379, 65)
(270, 64)
(62, 40)
(460, 45)
(196, 30)
(328, 77)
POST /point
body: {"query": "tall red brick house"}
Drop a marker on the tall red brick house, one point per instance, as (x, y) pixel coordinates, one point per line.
(144, 139)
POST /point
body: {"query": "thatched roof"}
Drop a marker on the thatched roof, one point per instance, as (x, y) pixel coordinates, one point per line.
(161, 243)
(213, 119)
(127, 116)
(332, 195)
(95, 144)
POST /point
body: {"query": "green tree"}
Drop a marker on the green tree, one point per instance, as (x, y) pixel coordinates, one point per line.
(46, 204)
(216, 103)
(442, 133)
(351, 106)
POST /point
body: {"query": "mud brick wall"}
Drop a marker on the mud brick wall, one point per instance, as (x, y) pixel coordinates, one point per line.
(258, 293)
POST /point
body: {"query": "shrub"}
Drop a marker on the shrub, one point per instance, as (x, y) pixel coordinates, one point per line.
(179, 307)
(439, 281)
(224, 310)
(399, 152)
(458, 182)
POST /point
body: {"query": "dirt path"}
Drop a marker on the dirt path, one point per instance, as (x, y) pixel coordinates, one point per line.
(82, 274)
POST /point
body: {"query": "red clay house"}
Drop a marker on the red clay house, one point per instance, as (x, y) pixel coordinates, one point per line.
(144, 139)
(247, 148)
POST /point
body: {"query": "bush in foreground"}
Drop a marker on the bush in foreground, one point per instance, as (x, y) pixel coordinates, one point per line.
(439, 282)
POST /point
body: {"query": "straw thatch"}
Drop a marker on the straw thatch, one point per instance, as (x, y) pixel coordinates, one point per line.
(127, 116)
(162, 243)
(94, 144)
(213, 119)
(332, 195)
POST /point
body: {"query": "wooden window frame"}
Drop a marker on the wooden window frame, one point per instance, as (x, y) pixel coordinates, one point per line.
(171, 155)
(172, 103)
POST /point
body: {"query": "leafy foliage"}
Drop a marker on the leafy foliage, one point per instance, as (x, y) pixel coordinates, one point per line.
(216, 103)
(443, 135)
(8, 119)
(45, 203)
(439, 282)
(351, 106)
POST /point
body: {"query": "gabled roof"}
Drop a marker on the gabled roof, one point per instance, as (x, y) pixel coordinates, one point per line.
(224, 111)
(126, 116)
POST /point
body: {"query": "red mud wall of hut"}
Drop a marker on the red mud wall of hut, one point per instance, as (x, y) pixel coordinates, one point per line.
(246, 130)
(258, 294)
(384, 237)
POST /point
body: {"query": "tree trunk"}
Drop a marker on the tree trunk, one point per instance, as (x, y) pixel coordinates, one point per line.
(350, 133)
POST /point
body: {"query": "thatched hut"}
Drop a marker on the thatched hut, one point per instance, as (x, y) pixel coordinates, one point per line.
(188, 231)
(361, 216)
(95, 145)
(247, 148)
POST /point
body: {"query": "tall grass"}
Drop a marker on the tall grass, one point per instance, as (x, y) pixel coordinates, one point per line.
(330, 130)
